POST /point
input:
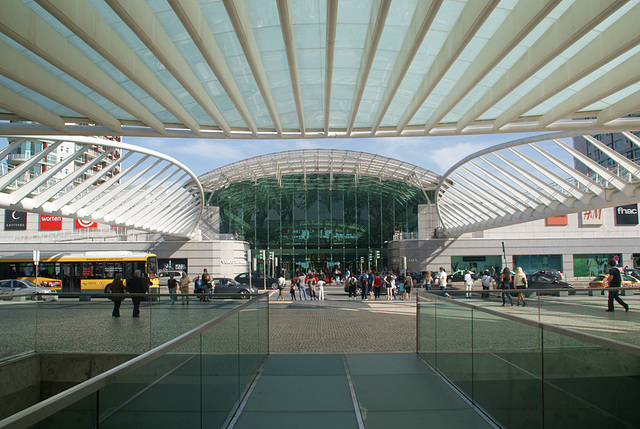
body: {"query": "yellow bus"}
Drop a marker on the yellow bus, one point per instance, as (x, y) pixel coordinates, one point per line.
(80, 272)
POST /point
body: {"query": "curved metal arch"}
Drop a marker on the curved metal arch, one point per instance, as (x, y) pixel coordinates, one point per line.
(531, 179)
(104, 181)
(319, 161)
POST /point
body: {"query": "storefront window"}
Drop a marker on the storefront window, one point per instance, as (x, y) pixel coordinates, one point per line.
(532, 263)
(476, 264)
(594, 264)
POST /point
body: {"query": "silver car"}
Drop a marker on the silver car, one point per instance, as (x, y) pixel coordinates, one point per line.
(163, 276)
(15, 288)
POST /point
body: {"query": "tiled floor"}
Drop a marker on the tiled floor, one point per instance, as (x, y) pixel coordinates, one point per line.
(391, 390)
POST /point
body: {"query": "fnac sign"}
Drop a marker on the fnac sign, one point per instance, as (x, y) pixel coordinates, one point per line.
(50, 222)
(627, 215)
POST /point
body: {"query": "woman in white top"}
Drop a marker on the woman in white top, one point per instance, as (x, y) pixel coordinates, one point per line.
(520, 282)
(468, 282)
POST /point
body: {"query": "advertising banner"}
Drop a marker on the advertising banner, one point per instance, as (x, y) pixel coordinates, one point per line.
(626, 215)
(592, 217)
(558, 220)
(83, 224)
(50, 222)
(15, 220)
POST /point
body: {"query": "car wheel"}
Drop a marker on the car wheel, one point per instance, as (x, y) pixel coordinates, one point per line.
(244, 294)
(274, 285)
(590, 293)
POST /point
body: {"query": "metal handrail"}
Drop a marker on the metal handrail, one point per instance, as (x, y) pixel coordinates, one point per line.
(52, 405)
(590, 338)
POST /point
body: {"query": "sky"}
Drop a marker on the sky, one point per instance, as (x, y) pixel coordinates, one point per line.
(434, 153)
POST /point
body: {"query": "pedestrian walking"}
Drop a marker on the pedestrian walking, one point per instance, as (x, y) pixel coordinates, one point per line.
(615, 281)
(387, 283)
(428, 280)
(172, 284)
(116, 286)
(486, 283)
(442, 281)
(312, 282)
(136, 286)
(197, 287)
(292, 290)
(505, 284)
(301, 287)
(321, 284)
(408, 285)
(468, 283)
(352, 284)
(206, 285)
(364, 290)
(281, 284)
(520, 283)
(184, 288)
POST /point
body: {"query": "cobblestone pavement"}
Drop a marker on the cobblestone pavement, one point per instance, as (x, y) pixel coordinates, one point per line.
(337, 325)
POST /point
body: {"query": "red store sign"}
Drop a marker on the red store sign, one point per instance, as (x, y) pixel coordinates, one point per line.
(50, 222)
(83, 224)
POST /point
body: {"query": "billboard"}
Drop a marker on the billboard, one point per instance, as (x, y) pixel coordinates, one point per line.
(558, 220)
(50, 222)
(83, 224)
(15, 220)
(592, 217)
(626, 215)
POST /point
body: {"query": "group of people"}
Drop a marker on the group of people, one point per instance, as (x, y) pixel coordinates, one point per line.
(136, 285)
(312, 280)
(184, 283)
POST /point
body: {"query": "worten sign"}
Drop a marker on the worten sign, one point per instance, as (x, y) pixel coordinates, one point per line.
(15, 220)
(626, 215)
(50, 222)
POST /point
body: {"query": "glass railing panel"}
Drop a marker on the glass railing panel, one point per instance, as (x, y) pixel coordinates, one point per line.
(426, 327)
(263, 304)
(507, 369)
(165, 392)
(249, 342)
(454, 343)
(589, 385)
(221, 387)
(19, 327)
(80, 415)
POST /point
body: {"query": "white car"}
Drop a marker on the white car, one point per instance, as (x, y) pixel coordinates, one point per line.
(163, 276)
(14, 288)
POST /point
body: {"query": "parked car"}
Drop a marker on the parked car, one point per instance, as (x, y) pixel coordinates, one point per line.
(548, 273)
(163, 276)
(548, 282)
(627, 282)
(257, 279)
(14, 288)
(224, 285)
(458, 276)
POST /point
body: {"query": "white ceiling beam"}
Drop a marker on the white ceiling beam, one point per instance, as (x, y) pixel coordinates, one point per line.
(469, 22)
(608, 45)
(541, 184)
(190, 15)
(626, 106)
(16, 103)
(237, 11)
(621, 77)
(621, 160)
(80, 17)
(501, 195)
(524, 17)
(22, 24)
(489, 202)
(332, 19)
(514, 193)
(141, 20)
(22, 70)
(420, 24)
(377, 18)
(575, 22)
(286, 25)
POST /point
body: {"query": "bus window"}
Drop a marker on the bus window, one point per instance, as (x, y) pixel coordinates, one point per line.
(112, 268)
(93, 270)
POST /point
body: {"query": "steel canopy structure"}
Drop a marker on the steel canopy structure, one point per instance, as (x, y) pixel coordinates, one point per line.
(139, 188)
(531, 179)
(311, 162)
(317, 68)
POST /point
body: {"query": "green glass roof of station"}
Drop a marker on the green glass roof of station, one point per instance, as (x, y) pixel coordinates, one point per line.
(317, 68)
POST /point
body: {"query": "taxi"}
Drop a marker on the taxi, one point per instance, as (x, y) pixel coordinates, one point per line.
(627, 282)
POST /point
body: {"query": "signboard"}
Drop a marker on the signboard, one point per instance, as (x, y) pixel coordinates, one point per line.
(626, 215)
(83, 224)
(558, 220)
(50, 222)
(15, 220)
(592, 217)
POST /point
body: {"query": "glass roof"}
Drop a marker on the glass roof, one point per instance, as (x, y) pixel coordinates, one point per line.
(302, 68)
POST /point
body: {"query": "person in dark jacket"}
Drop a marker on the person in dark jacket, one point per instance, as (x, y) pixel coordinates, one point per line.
(615, 281)
(136, 286)
(116, 286)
